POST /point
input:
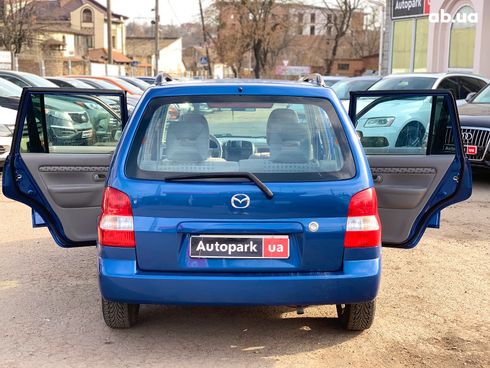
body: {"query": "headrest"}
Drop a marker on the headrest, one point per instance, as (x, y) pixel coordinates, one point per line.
(188, 139)
(289, 141)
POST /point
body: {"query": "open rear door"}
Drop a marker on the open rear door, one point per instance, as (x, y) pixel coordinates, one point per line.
(413, 143)
(60, 156)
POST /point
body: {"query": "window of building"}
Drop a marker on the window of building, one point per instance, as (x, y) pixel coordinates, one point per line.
(421, 45)
(312, 30)
(329, 30)
(300, 18)
(312, 18)
(462, 44)
(343, 66)
(329, 18)
(89, 42)
(87, 16)
(300, 30)
(410, 42)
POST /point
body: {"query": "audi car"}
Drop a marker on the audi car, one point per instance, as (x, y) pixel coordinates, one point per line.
(475, 128)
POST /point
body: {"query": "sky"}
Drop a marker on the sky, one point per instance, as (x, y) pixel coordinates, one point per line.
(171, 11)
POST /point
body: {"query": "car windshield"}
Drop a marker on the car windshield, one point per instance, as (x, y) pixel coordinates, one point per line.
(8, 89)
(37, 81)
(128, 86)
(101, 84)
(483, 96)
(275, 138)
(77, 83)
(403, 83)
(140, 83)
(343, 88)
(4, 131)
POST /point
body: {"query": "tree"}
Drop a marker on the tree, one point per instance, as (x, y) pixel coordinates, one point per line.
(260, 27)
(341, 13)
(17, 23)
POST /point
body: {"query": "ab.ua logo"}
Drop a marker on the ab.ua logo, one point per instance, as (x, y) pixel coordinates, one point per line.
(443, 17)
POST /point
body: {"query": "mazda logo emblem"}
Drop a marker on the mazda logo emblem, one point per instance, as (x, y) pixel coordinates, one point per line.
(240, 201)
(467, 136)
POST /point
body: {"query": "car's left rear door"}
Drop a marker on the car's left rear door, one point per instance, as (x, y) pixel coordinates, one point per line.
(61, 152)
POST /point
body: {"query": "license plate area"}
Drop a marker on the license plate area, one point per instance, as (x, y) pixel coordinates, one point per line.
(239, 246)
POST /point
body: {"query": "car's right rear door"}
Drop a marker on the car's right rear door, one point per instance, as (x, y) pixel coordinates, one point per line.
(413, 143)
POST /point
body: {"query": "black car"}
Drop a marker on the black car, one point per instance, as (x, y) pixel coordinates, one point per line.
(475, 127)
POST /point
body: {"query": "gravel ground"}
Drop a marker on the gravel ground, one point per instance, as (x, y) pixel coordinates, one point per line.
(432, 309)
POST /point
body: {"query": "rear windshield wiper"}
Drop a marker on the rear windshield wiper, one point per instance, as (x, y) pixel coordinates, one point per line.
(247, 175)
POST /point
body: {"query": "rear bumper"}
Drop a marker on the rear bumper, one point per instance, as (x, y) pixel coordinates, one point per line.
(120, 280)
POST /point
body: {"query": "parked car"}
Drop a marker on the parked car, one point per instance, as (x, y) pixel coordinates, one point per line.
(240, 203)
(331, 80)
(149, 80)
(141, 84)
(5, 142)
(23, 79)
(460, 84)
(125, 86)
(69, 82)
(344, 87)
(475, 128)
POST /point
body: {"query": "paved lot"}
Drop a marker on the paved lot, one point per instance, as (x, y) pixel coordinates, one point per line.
(433, 310)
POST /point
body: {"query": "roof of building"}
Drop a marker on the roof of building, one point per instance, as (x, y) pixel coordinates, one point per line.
(60, 10)
(100, 55)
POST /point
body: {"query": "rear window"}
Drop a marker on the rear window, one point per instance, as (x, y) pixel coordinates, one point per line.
(276, 138)
(403, 83)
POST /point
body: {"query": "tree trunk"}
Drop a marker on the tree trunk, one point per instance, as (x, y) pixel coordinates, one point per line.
(333, 55)
(257, 66)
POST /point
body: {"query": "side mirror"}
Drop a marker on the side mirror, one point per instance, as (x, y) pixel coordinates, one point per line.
(470, 96)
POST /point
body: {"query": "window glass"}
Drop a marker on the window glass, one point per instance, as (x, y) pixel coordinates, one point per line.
(276, 138)
(452, 85)
(402, 46)
(9, 89)
(462, 45)
(401, 124)
(469, 85)
(421, 45)
(403, 83)
(483, 96)
(72, 124)
(343, 88)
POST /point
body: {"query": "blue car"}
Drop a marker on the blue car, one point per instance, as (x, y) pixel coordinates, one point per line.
(238, 201)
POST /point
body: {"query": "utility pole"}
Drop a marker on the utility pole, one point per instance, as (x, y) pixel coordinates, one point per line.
(157, 35)
(109, 32)
(205, 39)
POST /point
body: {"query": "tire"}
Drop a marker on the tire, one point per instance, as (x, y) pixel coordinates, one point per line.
(412, 135)
(119, 315)
(357, 316)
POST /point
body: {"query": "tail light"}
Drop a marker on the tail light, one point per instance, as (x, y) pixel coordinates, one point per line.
(116, 227)
(363, 225)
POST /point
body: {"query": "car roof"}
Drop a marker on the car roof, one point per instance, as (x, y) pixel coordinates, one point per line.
(240, 86)
(435, 75)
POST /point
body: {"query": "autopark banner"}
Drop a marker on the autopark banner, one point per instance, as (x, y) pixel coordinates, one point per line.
(410, 8)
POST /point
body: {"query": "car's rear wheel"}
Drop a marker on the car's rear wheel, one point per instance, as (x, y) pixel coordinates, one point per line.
(357, 316)
(119, 315)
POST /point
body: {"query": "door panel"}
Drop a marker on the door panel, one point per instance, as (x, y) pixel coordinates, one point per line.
(70, 185)
(61, 152)
(415, 173)
(403, 190)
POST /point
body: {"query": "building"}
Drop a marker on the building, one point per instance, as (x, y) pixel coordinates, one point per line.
(437, 36)
(310, 39)
(142, 50)
(66, 32)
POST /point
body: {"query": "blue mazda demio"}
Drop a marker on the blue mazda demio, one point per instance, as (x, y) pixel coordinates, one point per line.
(237, 192)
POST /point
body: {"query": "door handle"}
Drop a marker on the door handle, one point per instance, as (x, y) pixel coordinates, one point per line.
(377, 178)
(99, 177)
